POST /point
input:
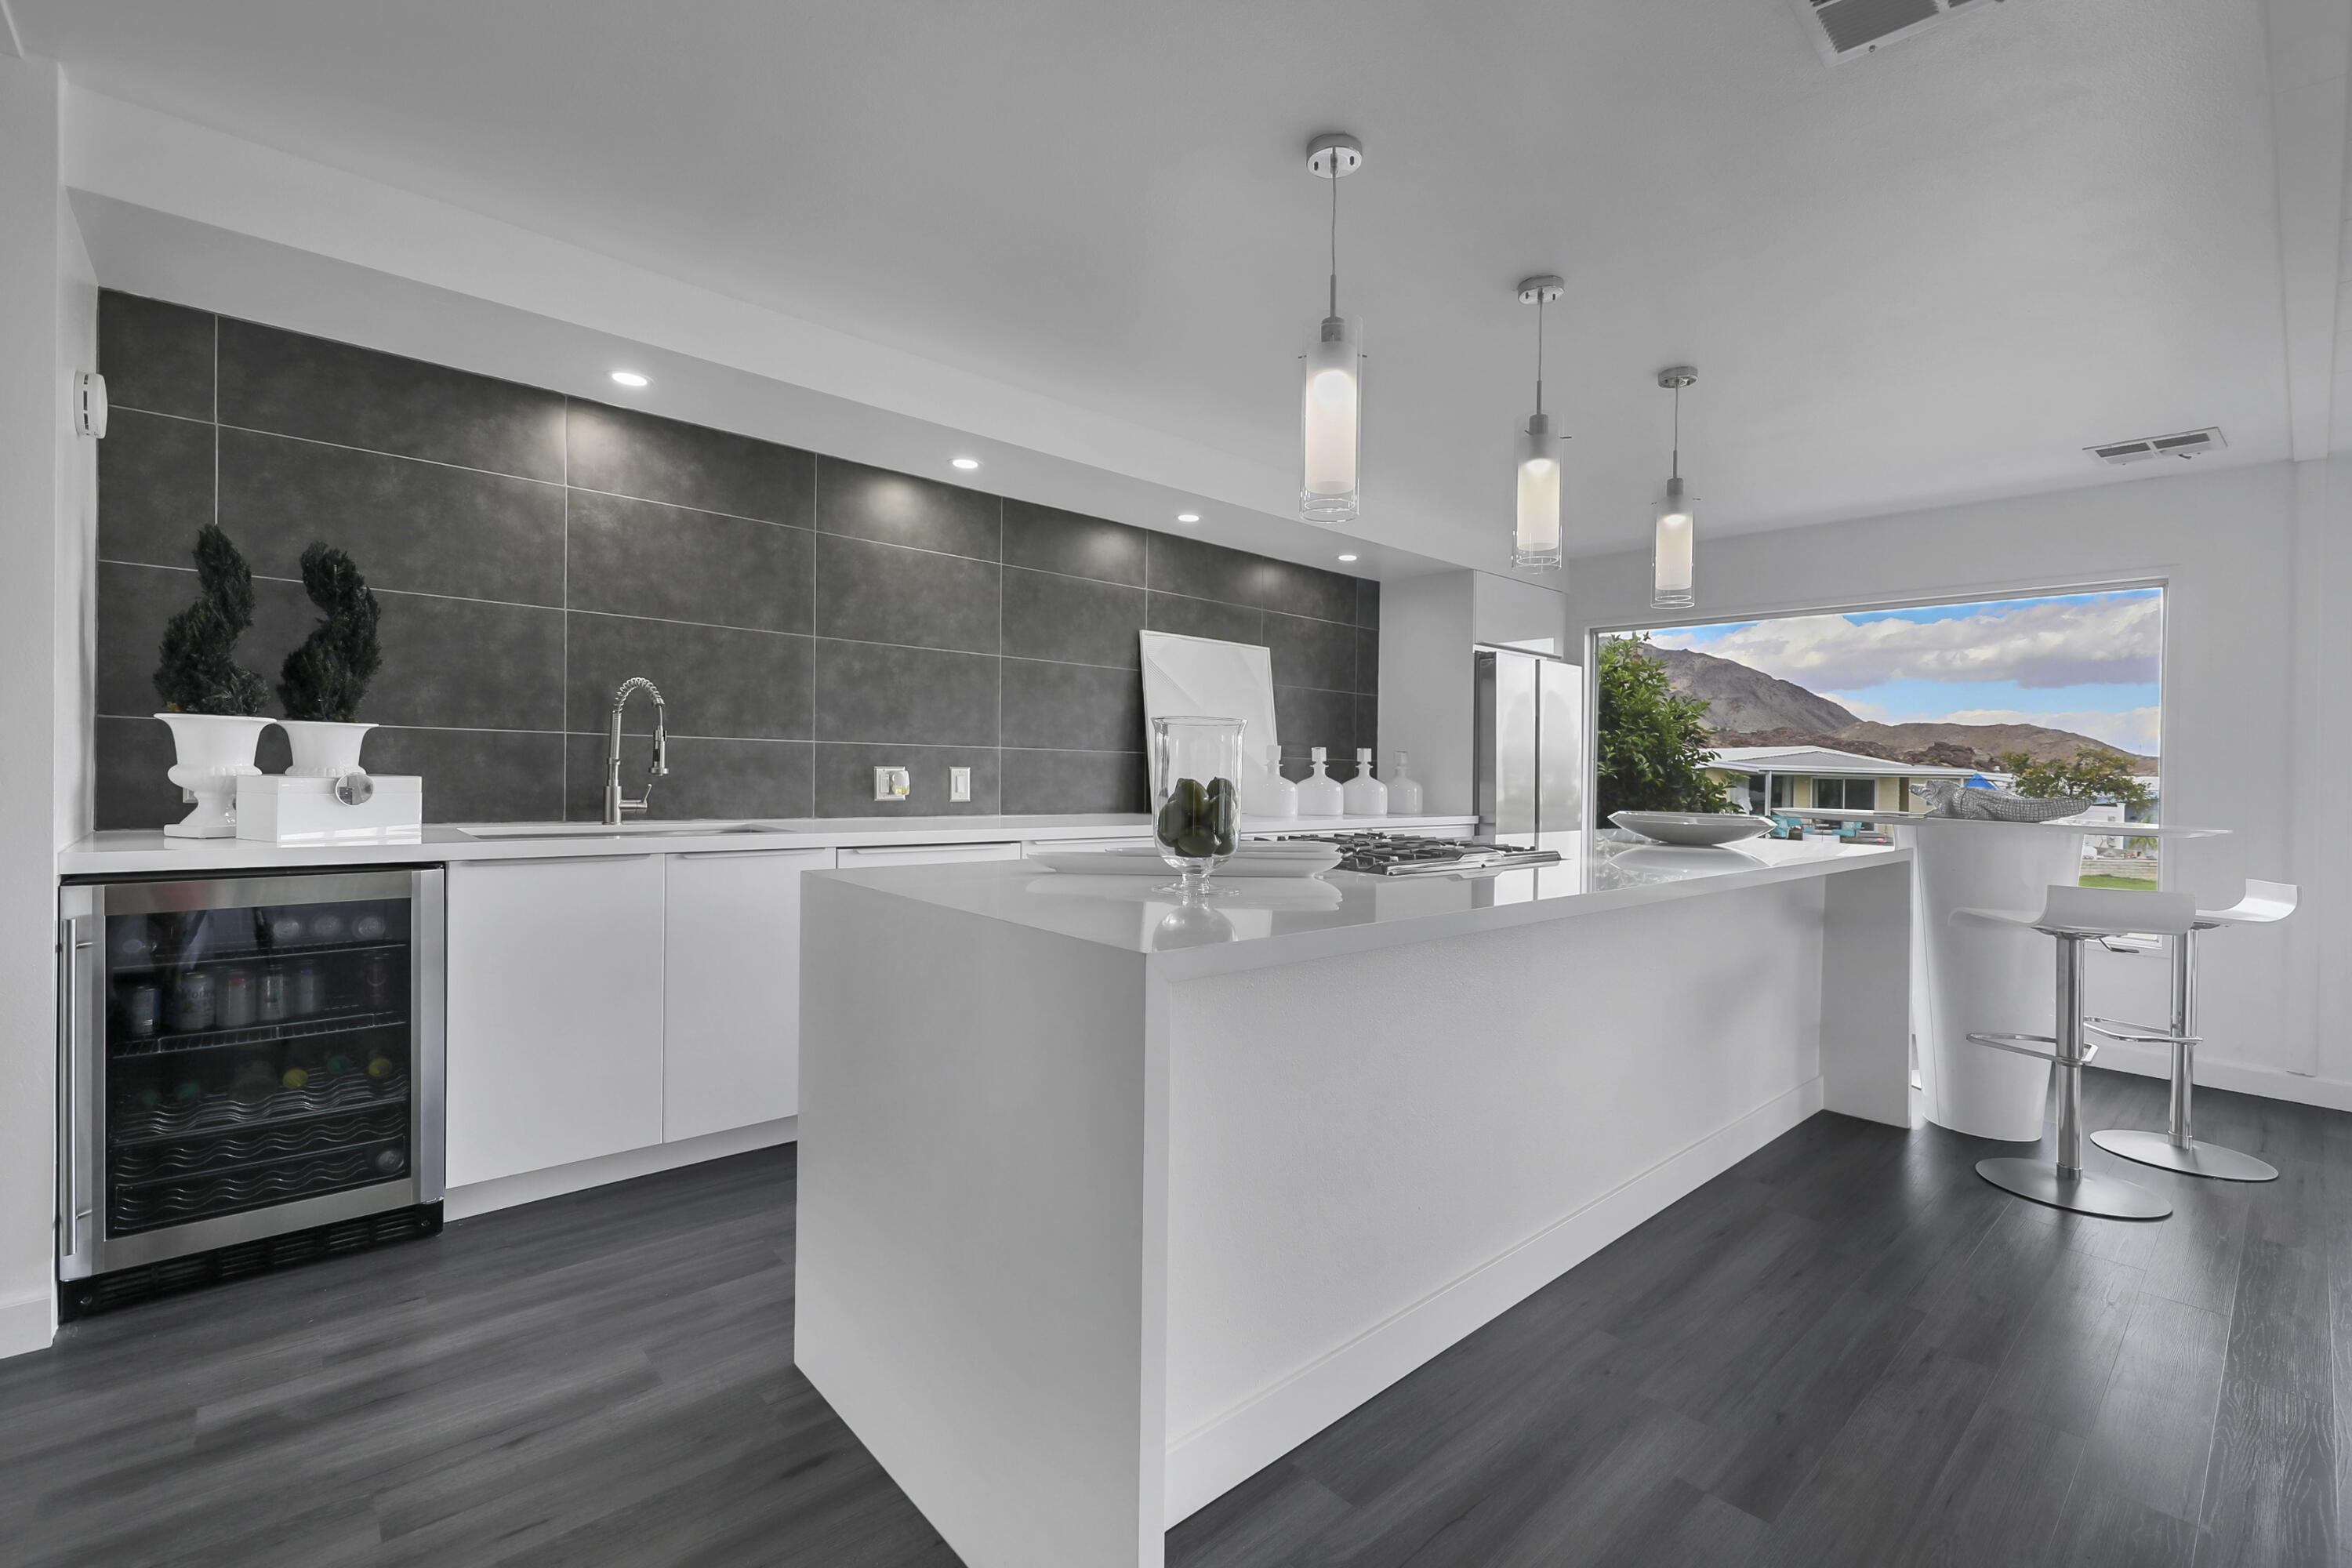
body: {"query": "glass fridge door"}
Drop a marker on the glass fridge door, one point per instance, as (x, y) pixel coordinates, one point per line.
(254, 1055)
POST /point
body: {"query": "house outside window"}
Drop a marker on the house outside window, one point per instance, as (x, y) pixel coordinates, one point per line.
(1845, 794)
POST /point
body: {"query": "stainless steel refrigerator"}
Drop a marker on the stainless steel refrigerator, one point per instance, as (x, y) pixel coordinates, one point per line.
(1530, 760)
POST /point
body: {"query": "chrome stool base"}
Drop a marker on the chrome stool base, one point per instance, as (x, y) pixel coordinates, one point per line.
(2083, 1193)
(2197, 1160)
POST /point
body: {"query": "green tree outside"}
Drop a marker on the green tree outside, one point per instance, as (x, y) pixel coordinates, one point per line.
(1653, 751)
(2086, 776)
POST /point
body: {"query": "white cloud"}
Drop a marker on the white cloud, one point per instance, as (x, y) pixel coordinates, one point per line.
(2132, 730)
(2101, 642)
(1862, 708)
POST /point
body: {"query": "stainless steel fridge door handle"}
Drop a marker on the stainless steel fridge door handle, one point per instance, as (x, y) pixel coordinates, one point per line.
(71, 943)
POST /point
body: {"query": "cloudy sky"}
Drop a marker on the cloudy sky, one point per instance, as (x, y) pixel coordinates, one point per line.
(2085, 662)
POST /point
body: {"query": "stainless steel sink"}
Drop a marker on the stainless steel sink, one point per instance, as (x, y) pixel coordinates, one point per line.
(611, 830)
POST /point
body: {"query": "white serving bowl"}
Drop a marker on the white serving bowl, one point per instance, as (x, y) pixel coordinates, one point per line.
(1696, 830)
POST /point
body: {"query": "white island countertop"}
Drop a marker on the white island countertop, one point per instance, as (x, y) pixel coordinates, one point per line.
(1108, 1199)
(144, 852)
(1247, 922)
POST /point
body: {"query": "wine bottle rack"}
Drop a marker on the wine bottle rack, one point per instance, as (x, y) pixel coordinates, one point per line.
(174, 1159)
(339, 1092)
(143, 1206)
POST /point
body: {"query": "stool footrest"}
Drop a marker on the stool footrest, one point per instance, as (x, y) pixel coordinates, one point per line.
(2031, 1046)
(2139, 1034)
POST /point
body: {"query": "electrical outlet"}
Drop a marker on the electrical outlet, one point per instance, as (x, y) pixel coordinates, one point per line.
(959, 783)
(893, 784)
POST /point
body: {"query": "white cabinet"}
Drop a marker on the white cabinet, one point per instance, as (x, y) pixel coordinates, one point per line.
(874, 856)
(555, 1012)
(731, 1004)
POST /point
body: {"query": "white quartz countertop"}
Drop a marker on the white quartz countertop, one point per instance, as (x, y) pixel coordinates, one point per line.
(1251, 922)
(130, 853)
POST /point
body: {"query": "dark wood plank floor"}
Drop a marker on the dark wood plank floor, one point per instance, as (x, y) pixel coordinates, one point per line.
(1848, 1350)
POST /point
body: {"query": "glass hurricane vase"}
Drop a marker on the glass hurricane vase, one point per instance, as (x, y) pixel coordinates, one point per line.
(1195, 803)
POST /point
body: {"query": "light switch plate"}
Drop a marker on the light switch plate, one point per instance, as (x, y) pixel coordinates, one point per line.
(959, 783)
(892, 783)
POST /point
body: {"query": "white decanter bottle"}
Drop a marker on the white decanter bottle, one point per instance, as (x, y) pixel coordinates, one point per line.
(1318, 793)
(1404, 792)
(1363, 794)
(1281, 795)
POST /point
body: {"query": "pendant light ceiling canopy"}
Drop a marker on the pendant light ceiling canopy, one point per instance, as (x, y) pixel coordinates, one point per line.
(1535, 535)
(1670, 556)
(1331, 401)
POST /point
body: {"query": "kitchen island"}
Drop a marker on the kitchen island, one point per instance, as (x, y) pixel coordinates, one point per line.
(1108, 1200)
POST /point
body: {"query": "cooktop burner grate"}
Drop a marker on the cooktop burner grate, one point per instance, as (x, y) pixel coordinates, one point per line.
(1397, 855)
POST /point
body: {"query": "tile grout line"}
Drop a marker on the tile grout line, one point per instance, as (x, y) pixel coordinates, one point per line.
(722, 627)
(566, 483)
(817, 499)
(563, 763)
(1000, 657)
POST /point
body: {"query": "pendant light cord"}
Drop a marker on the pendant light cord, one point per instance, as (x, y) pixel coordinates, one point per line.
(1539, 348)
(1677, 472)
(1335, 231)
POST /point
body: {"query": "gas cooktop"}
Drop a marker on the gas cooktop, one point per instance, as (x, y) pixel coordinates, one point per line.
(1399, 855)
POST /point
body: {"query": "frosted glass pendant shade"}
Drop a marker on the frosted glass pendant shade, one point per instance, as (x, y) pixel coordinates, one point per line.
(1330, 423)
(1670, 559)
(1535, 542)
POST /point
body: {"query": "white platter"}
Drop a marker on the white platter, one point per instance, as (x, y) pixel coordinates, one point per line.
(1693, 829)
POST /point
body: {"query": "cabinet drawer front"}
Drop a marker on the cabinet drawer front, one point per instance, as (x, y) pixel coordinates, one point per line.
(555, 1012)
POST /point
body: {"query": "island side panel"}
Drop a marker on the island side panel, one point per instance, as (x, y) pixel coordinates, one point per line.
(1371, 1155)
(1866, 973)
(979, 1243)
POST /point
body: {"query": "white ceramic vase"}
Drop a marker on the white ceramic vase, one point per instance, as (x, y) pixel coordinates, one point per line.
(216, 750)
(324, 750)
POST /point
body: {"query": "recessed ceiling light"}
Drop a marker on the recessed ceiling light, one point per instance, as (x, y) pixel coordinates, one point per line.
(1346, 558)
(628, 378)
(964, 462)
(1188, 517)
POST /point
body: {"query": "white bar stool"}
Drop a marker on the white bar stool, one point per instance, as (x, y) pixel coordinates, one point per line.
(2074, 916)
(2178, 1149)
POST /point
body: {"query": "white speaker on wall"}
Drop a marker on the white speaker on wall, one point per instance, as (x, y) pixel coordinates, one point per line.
(89, 403)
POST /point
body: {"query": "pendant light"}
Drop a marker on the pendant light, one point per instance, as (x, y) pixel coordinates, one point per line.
(1535, 538)
(1331, 390)
(1670, 556)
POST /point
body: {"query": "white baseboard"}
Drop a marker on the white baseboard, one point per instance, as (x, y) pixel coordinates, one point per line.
(2220, 1072)
(28, 1324)
(529, 1186)
(1210, 1460)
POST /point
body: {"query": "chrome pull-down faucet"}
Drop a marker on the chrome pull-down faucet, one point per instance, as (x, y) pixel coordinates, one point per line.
(615, 801)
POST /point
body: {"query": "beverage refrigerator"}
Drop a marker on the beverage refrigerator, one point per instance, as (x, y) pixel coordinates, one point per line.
(250, 1075)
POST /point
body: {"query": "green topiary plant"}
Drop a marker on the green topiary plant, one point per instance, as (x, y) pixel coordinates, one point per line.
(195, 673)
(326, 677)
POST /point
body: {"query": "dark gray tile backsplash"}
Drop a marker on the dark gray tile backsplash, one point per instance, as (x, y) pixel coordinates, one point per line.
(807, 619)
(289, 385)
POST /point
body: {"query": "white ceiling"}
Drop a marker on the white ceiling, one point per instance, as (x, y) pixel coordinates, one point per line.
(1933, 274)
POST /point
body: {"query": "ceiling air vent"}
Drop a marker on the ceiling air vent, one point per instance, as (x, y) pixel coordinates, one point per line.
(2188, 444)
(1842, 29)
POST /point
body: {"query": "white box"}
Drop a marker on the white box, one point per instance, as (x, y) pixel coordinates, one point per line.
(277, 808)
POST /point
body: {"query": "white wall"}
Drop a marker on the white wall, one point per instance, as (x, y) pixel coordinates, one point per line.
(1427, 625)
(74, 662)
(2253, 560)
(1509, 610)
(32, 449)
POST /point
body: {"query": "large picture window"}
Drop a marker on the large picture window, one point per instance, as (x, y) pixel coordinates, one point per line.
(1874, 711)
